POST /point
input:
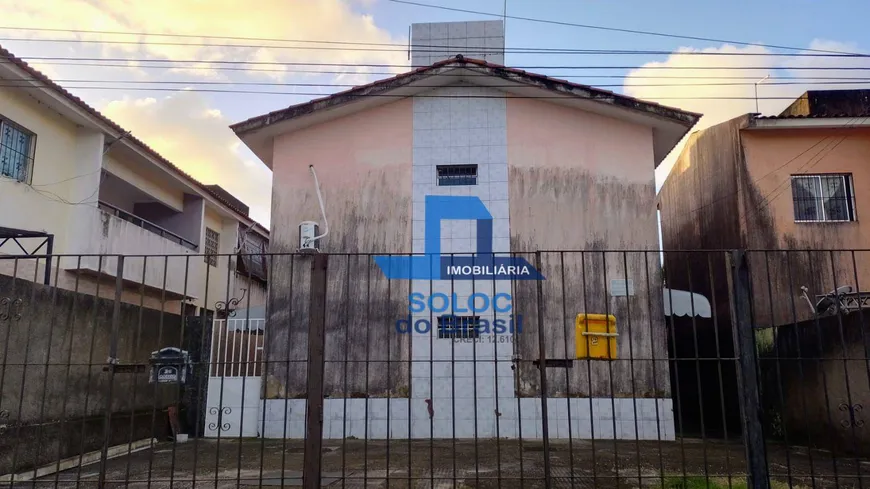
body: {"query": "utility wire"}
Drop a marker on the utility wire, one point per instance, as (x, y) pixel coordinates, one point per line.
(465, 75)
(27, 82)
(357, 43)
(403, 66)
(439, 48)
(374, 95)
(617, 29)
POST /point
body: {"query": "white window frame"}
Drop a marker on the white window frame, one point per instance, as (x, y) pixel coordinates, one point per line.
(850, 202)
(31, 151)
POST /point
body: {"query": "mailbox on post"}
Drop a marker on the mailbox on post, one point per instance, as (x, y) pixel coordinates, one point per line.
(169, 366)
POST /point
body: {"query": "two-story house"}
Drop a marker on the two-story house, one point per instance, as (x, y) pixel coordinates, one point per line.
(791, 189)
(550, 164)
(76, 187)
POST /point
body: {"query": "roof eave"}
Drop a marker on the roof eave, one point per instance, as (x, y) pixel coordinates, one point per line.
(765, 123)
(255, 133)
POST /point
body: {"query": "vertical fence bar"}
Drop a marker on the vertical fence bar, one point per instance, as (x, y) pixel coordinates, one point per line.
(747, 364)
(287, 347)
(111, 362)
(316, 345)
(715, 316)
(845, 356)
(542, 367)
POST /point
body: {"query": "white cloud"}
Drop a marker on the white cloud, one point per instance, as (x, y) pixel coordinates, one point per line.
(328, 20)
(196, 138)
(705, 83)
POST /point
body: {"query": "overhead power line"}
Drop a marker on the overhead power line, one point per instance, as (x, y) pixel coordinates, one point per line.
(27, 82)
(617, 29)
(367, 95)
(387, 65)
(358, 43)
(432, 48)
(463, 75)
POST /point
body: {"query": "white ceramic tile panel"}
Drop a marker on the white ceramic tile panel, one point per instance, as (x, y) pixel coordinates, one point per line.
(437, 41)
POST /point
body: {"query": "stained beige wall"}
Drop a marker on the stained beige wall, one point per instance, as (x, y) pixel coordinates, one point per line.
(582, 181)
(768, 219)
(363, 162)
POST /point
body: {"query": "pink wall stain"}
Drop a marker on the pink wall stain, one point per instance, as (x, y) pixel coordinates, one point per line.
(549, 135)
(363, 162)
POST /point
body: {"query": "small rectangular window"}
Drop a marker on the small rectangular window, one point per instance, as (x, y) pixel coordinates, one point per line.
(212, 243)
(16, 151)
(450, 326)
(451, 175)
(823, 198)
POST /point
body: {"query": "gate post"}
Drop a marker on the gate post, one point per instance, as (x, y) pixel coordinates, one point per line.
(747, 371)
(542, 369)
(316, 337)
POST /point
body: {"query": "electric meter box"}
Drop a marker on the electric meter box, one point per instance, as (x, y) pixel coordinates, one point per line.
(169, 366)
(595, 336)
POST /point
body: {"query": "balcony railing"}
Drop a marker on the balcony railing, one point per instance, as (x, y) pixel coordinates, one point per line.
(145, 224)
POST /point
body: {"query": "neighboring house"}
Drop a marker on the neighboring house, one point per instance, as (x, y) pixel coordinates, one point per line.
(75, 183)
(558, 165)
(785, 182)
(791, 189)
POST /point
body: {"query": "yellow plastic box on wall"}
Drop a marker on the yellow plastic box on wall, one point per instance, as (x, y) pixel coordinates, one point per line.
(595, 336)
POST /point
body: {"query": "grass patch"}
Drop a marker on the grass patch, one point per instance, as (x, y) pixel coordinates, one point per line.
(699, 482)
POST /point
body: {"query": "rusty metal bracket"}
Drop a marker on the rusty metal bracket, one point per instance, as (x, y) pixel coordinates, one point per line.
(11, 308)
(853, 410)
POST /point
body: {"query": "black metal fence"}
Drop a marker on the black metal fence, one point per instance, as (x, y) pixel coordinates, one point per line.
(618, 369)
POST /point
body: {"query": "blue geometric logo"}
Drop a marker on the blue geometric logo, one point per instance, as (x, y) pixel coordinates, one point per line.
(482, 265)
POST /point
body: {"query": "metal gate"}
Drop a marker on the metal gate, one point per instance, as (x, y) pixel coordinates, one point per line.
(617, 369)
(233, 401)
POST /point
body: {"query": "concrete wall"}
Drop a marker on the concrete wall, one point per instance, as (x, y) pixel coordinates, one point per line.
(363, 162)
(112, 235)
(581, 181)
(813, 371)
(56, 402)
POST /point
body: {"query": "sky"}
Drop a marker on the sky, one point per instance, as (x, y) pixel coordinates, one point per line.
(127, 75)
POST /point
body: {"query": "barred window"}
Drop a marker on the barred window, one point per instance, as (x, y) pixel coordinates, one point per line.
(449, 175)
(823, 198)
(16, 151)
(212, 240)
(450, 326)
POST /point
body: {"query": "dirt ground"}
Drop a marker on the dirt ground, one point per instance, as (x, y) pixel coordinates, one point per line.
(448, 464)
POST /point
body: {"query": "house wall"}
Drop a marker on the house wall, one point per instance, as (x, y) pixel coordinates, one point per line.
(768, 219)
(158, 188)
(582, 181)
(700, 210)
(535, 161)
(62, 152)
(363, 163)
